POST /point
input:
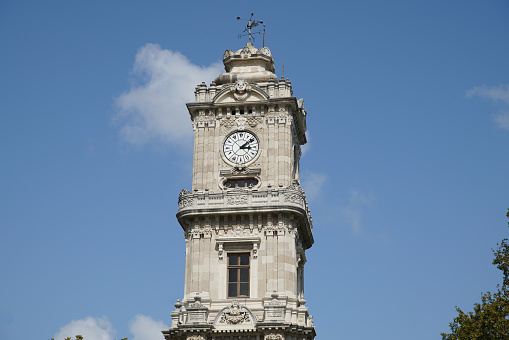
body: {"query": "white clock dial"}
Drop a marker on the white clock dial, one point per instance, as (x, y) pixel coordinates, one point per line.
(240, 147)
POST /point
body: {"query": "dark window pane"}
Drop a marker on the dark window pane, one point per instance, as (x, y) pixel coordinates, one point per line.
(233, 260)
(244, 289)
(244, 275)
(241, 182)
(232, 275)
(244, 260)
(232, 290)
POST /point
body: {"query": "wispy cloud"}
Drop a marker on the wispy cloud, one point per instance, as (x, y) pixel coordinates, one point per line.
(502, 119)
(496, 93)
(312, 184)
(352, 212)
(145, 328)
(89, 327)
(154, 108)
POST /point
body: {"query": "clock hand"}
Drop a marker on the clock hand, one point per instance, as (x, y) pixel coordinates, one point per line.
(246, 147)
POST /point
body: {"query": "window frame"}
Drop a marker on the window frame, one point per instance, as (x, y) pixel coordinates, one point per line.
(238, 267)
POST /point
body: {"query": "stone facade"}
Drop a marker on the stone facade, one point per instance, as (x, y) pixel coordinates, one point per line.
(254, 208)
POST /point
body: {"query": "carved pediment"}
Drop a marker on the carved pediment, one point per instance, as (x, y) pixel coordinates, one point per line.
(235, 314)
(239, 92)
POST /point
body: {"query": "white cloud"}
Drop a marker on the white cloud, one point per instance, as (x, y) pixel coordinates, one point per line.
(312, 185)
(90, 328)
(495, 92)
(145, 328)
(353, 210)
(502, 120)
(154, 108)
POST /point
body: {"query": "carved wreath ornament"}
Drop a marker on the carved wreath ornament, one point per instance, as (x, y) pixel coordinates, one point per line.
(235, 314)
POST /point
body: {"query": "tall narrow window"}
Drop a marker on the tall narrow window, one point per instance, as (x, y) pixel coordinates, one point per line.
(238, 275)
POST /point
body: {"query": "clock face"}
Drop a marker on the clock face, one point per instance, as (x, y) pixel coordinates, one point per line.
(240, 147)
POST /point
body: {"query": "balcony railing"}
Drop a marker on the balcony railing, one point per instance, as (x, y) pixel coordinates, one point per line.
(243, 199)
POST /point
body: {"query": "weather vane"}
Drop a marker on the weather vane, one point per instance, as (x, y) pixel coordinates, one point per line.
(252, 24)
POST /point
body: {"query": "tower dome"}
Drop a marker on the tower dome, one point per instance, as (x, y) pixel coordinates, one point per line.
(248, 63)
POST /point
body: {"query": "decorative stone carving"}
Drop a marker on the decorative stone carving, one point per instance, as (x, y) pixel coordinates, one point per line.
(227, 122)
(196, 304)
(295, 194)
(253, 122)
(184, 192)
(265, 51)
(220, 251)
(196, 311)
(235, 314)
(183, 200)
(236, 200)
(196, 337)
(245, 53)
(274, 301)
(241, 90)
(274, 336)
(228, 53)
(241, 123)
(294, 198)
(240, 170)
(239, 231)
(274, 310)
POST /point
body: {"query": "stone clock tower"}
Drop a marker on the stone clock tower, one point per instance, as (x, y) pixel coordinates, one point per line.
(246, 221)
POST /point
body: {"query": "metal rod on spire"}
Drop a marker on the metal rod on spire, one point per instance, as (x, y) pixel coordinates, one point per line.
(252, 24)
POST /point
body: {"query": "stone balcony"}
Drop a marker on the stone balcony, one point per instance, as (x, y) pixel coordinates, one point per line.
(290, 200)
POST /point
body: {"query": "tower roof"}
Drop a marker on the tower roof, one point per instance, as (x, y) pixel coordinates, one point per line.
(248, 63)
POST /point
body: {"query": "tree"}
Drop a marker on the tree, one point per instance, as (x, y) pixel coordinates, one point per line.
(490, 318)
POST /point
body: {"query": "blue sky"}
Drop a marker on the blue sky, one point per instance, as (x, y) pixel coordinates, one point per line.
(405, 171)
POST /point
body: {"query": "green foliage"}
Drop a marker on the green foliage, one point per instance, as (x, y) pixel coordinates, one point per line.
(490, 319)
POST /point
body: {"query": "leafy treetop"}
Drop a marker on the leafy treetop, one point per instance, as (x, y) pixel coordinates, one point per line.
(490, 319)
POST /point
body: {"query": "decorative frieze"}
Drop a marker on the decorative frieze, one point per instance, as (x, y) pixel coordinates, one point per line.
(236, 200)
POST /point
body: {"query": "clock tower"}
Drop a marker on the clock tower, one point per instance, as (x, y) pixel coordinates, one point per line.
(246, 221)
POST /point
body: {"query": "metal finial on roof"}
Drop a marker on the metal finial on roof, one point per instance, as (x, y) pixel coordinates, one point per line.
(252, 24)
